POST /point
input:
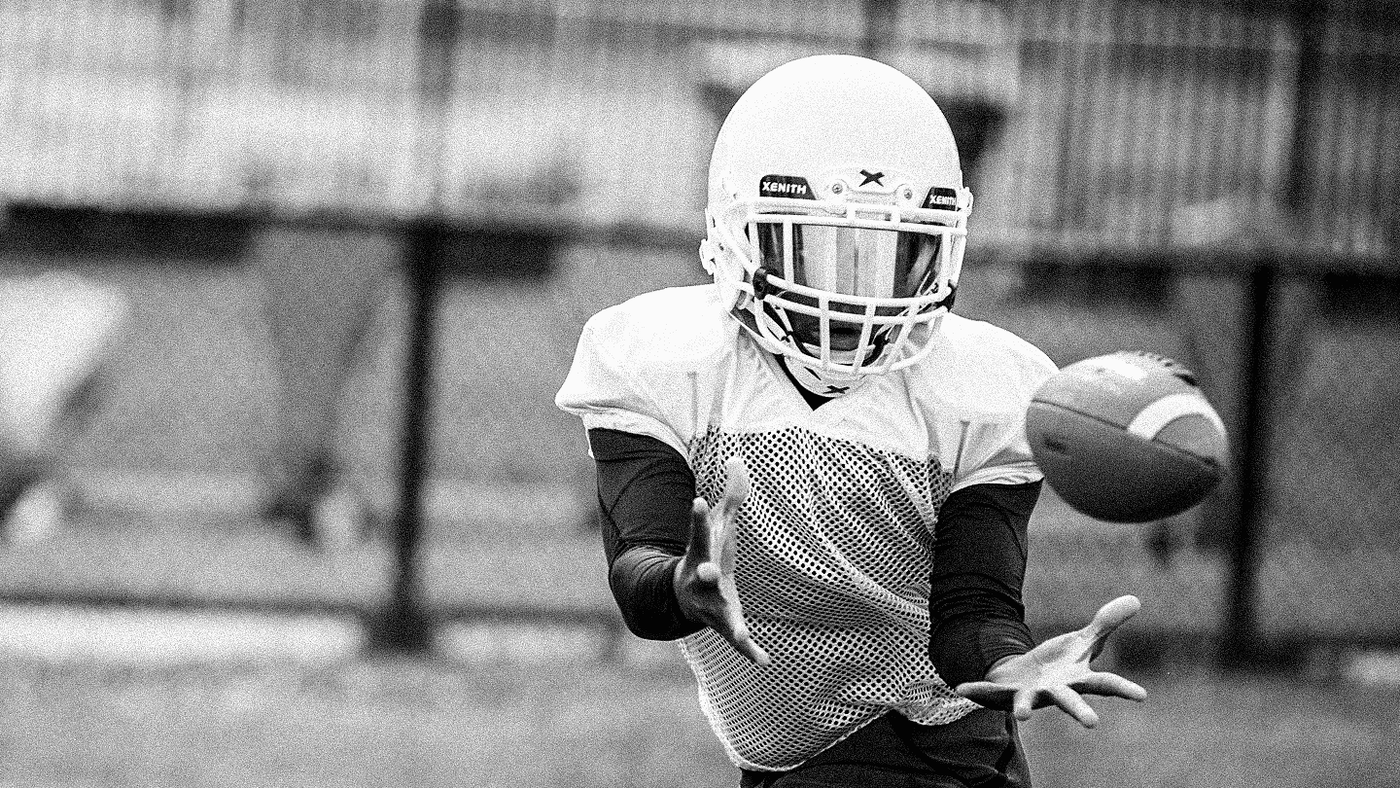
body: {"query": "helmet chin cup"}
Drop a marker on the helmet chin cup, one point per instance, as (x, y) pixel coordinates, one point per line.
(823, 383)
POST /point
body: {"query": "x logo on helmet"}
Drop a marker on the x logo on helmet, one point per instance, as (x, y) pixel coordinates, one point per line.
(872, 177)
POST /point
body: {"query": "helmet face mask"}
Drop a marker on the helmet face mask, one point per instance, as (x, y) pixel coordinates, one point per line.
(842, 267)
(841, 285)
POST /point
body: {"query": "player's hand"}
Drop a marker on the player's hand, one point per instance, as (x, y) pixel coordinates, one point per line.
(704, 578)
(1057, 671)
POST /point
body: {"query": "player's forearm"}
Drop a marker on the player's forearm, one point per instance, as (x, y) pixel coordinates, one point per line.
(974, 630)
(643, 583)
(645, 493)
(975, 603)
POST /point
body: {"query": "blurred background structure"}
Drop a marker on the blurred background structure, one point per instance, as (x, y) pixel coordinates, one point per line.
(342, 249)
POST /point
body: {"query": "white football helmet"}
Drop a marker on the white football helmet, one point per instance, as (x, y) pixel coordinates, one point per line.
(837, 215)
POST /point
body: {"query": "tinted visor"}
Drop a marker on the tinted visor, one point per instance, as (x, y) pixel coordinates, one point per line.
(852, 261)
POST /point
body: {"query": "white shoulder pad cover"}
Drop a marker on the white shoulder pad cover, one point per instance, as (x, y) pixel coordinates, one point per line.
(984, 376)
(641, 366)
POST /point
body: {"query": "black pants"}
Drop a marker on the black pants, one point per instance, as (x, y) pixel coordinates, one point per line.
(981, 750)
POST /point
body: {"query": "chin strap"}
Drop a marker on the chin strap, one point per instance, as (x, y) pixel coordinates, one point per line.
(820, 382)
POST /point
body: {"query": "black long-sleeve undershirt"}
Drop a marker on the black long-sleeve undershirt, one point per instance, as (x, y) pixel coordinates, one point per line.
(979, 564)
(645, 493)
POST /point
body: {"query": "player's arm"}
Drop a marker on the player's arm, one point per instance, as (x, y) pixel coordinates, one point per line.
(979, 567)
(1057, 671)
(980, 642)
(670, 558)
(645, 494)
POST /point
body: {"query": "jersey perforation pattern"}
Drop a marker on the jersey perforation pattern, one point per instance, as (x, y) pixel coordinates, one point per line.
(835, 547)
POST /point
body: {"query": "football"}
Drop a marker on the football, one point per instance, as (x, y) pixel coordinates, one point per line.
(1127, 437)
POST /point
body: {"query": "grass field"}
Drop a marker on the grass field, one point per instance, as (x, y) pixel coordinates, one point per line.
(535, 719)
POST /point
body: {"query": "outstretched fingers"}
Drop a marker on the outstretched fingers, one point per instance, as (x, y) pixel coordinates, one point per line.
(1108, 618)
(712, 531)
(736, 487)
(711, 595)
(1070, 703)
(1111, 684)
(701, 551)
(1113, 614)
(1024, 702)
(992, 694)
(739, 637)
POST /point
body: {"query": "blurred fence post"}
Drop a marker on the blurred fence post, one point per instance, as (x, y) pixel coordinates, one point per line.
(879, 27)
(1242, 642)
(1241, 636)
(405, 624)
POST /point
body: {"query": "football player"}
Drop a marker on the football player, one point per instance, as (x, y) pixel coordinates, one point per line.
(813, 474)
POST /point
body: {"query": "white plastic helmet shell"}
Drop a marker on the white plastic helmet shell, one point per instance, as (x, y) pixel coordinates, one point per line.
(845, 145)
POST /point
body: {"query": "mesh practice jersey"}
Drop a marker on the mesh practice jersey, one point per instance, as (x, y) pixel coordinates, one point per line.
(835, 542)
